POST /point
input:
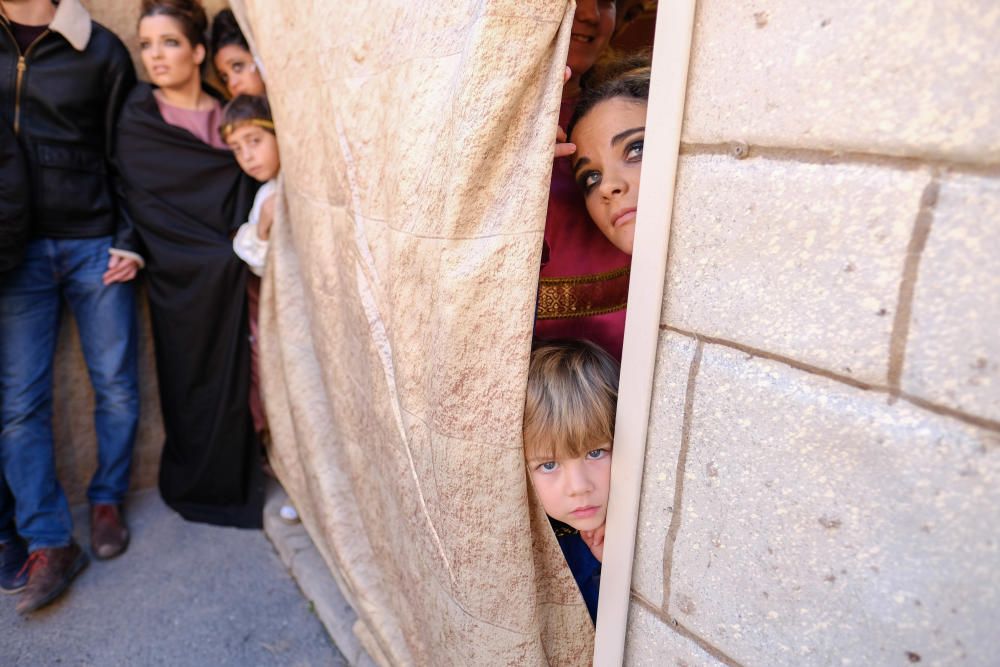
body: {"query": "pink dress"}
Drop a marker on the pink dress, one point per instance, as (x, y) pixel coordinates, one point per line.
(583, 287)
(202, 124)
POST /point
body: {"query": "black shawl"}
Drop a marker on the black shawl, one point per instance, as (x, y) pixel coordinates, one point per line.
(185, 199)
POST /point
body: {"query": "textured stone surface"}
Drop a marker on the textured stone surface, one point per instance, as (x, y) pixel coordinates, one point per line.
(73, 413)
(953, 352)
(663, 444)
(802, 260)
(652, 643)
(900, 78)
(822, 524)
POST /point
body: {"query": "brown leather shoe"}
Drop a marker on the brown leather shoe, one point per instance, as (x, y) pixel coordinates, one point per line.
(50, 572)
(108, 533)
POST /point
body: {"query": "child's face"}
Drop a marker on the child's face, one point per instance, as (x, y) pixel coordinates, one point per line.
(238, 71)
(256, 151)
(575, 490)
(607, 163)
(167, 54)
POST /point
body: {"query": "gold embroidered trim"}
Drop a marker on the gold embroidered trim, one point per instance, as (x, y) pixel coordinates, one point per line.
(588, 278)
(582, 296)
(562, 530)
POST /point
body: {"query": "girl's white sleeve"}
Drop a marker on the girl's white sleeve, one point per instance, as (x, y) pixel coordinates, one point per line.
(247, 245)
(250, 248)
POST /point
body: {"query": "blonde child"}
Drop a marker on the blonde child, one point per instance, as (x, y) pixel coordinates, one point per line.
(569, 425)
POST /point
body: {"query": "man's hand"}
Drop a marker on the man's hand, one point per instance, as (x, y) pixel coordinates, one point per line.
(594, 539)
(120, 270)
(266, 219)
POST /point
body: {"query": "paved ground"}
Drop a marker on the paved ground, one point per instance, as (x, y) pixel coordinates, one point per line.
(183, 594)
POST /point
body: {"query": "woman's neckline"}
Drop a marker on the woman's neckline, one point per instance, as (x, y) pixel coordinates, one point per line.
(162, 99)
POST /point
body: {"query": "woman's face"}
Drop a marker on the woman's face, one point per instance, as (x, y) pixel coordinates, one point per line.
(593, 23)
(167, 54)
(238, 71)
(607, 163)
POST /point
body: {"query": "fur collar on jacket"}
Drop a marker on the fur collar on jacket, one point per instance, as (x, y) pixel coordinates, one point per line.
(72, 21)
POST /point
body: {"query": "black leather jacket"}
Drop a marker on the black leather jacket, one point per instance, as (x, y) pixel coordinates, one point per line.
(13, 204)
(63, 104)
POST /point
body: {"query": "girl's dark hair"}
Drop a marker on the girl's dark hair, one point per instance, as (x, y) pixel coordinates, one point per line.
(188, 13)
(626, 77)
(244, 109)
(226, 32)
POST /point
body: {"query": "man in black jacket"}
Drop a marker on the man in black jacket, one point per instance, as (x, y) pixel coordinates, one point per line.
(63, 79)
(14, 219)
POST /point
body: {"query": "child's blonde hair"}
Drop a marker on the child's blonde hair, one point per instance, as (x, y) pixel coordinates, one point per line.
(571, 400)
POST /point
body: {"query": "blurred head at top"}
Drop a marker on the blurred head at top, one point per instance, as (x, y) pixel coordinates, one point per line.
(232, 58)
(593, 24)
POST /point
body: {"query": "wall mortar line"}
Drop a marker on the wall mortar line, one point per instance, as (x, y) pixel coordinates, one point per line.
(676, 510)
(684, 631)
(908, 284)
(922, 403)
(833, 157)
(764, 354)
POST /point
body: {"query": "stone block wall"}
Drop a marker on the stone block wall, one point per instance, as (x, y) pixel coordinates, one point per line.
(822, 478)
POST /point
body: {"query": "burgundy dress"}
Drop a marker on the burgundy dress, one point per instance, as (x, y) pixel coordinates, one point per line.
(583, 288)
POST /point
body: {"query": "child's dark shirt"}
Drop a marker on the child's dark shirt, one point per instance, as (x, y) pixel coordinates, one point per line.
(585, 568)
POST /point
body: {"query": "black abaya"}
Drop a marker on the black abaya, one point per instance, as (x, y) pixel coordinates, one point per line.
(185, 199)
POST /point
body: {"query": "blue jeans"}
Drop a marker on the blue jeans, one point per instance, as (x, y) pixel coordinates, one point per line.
(55, 269)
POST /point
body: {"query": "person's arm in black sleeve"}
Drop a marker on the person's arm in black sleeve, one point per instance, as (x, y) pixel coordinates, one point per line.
(121, 79)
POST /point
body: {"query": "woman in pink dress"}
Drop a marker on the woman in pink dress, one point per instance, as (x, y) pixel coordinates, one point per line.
(186, 196)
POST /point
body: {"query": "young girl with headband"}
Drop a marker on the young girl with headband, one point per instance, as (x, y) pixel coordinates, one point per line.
(249, 132)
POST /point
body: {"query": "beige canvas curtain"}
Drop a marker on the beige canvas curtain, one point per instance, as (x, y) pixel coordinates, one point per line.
(416, 142)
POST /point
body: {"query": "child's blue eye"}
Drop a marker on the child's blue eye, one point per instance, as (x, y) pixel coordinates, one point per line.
(548, 466)
(596, 454)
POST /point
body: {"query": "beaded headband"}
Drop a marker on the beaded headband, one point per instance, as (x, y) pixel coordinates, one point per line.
(229, 128)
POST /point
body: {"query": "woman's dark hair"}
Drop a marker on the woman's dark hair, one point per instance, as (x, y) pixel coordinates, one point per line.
(226, 32)
(188, 13)
(626, 77)
(244, 109)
